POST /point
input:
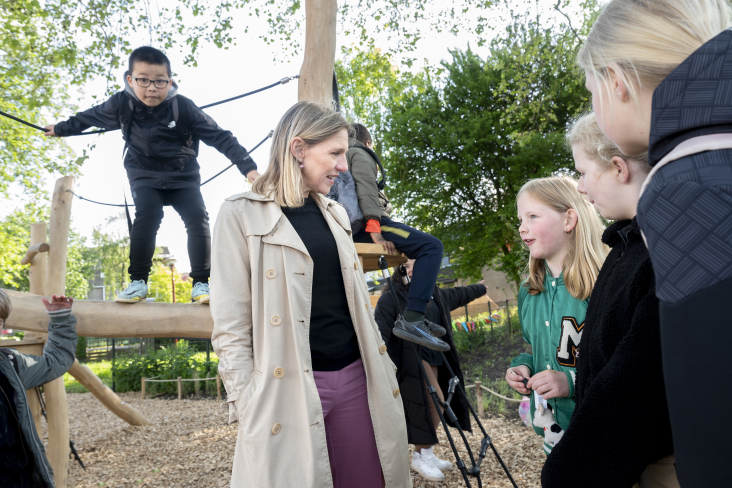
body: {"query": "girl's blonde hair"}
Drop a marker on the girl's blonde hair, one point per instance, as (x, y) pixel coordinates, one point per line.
(282, 180)
(585, 133)
(586, 251)
(643, 41)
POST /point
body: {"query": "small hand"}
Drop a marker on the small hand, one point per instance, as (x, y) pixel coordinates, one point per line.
(514, 377)
(50, 132)
(58, 303)
(550, 384)
(388, 246)
(252, 175)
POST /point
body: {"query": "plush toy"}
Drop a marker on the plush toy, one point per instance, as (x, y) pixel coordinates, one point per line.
(544, 419)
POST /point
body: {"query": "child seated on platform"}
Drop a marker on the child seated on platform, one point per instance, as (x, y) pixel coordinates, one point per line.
(23, 460)
(162, 130)
(377, 227)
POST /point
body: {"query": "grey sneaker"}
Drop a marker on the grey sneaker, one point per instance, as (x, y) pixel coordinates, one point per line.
(200, 293)
(437, 330)
(136, 292)
(419, 333)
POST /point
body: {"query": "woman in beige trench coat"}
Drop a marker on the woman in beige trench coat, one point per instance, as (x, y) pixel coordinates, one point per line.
(285, 333)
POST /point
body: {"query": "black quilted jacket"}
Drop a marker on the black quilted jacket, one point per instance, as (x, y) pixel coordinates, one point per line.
(620, 423)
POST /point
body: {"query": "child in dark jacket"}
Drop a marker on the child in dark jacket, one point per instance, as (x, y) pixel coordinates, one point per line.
(620, 433)
(161, 163)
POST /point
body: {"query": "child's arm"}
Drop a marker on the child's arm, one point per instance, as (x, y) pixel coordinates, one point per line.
(105, 116)
(207, 130)
(59, 352)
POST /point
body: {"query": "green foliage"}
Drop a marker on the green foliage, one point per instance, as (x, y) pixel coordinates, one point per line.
(103, 370)
(81, 348)
(164, 364)
(14, 242)
(459, 147)
(160, 285)
(109, 254)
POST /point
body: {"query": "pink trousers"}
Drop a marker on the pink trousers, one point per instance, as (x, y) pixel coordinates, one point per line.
(354, 460)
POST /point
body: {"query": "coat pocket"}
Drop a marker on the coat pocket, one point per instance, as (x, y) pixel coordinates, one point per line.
(242, 402)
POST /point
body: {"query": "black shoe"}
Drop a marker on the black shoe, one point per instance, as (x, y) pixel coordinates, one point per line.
(419, 333)
(437, 330)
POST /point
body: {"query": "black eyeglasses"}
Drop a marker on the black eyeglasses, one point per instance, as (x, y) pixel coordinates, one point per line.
(144, 82)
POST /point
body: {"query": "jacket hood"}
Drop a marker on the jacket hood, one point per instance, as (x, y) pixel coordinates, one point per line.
(695, 99)
(173, 92)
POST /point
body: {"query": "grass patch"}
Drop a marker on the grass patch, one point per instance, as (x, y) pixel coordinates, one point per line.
(103, 369)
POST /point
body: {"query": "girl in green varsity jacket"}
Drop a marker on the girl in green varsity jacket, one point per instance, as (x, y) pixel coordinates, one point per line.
(563, 233)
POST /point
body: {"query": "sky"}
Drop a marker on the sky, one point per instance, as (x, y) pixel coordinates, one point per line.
(220, 74)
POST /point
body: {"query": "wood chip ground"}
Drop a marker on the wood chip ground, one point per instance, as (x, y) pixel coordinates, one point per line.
(191, 445)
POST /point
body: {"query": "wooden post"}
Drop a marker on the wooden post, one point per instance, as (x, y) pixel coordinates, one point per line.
(37, 277)
(479, 398)
(316, 74)
(196, 384)
(57, 409)
(180, 388)
(218, 387)
(142, 389)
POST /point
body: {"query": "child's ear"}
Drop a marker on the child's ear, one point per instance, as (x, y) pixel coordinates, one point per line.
(620, 169)
(570, 221)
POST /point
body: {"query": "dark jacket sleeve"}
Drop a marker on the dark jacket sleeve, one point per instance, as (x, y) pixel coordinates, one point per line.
(364, 171)
(615, 429)
(460, 296)
(205, 129)
(385, 314)
(105, 116)
(58, 354)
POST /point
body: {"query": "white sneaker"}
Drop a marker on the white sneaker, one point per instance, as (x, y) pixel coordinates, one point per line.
(200, 293)
(441, 464)
(426, 468)
(136, 292)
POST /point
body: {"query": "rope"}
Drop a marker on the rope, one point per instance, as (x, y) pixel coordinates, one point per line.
(496, 394)
(283, 81)
(132, 204)
(176, 380)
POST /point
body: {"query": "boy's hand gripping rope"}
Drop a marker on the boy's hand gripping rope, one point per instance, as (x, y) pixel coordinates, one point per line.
(283, 81)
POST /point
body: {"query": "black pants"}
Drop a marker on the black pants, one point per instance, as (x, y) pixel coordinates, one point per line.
(188, 202)
(427, 250)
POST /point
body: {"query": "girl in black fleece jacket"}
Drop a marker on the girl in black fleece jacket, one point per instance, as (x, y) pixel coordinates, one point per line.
(620, 434)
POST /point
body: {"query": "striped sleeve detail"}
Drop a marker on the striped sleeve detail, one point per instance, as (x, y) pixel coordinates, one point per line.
(60, 313)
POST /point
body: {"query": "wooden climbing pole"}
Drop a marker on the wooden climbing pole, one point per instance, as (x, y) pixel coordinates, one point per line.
(316, 75)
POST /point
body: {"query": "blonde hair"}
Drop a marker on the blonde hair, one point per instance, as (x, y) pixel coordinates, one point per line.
(643, 41)
(5, 306)
(585, 133)
(312, 122)
(586, 251)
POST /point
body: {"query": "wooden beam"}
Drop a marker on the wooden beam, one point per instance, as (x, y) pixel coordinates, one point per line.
(91, 382)
(32, 251)
(32, 346)
(38, 271)
(370, 254)
(316, 75)
(110, 319)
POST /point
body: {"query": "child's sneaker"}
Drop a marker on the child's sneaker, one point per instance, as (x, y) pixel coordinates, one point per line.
(200, 292)
(426, 468)
(136, 292)
(441, 464)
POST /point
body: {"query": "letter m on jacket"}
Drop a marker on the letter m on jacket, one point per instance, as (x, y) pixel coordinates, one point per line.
(569, 345)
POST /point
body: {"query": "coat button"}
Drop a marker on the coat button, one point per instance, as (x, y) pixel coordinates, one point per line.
(396, 393)
(355, 265)
(271, 274)
(279, 372)
(382, 349)
(275, 321)
(276, 428)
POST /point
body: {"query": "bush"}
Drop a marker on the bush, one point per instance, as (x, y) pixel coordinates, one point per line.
(167, 363)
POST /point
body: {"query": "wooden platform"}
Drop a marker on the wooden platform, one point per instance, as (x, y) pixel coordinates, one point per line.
(370, 254)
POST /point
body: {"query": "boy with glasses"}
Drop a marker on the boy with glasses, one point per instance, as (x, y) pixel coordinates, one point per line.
(161, 130)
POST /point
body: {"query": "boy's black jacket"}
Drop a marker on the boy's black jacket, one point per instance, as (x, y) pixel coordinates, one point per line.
(156, 156)
(411, 382)
(620, 423)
